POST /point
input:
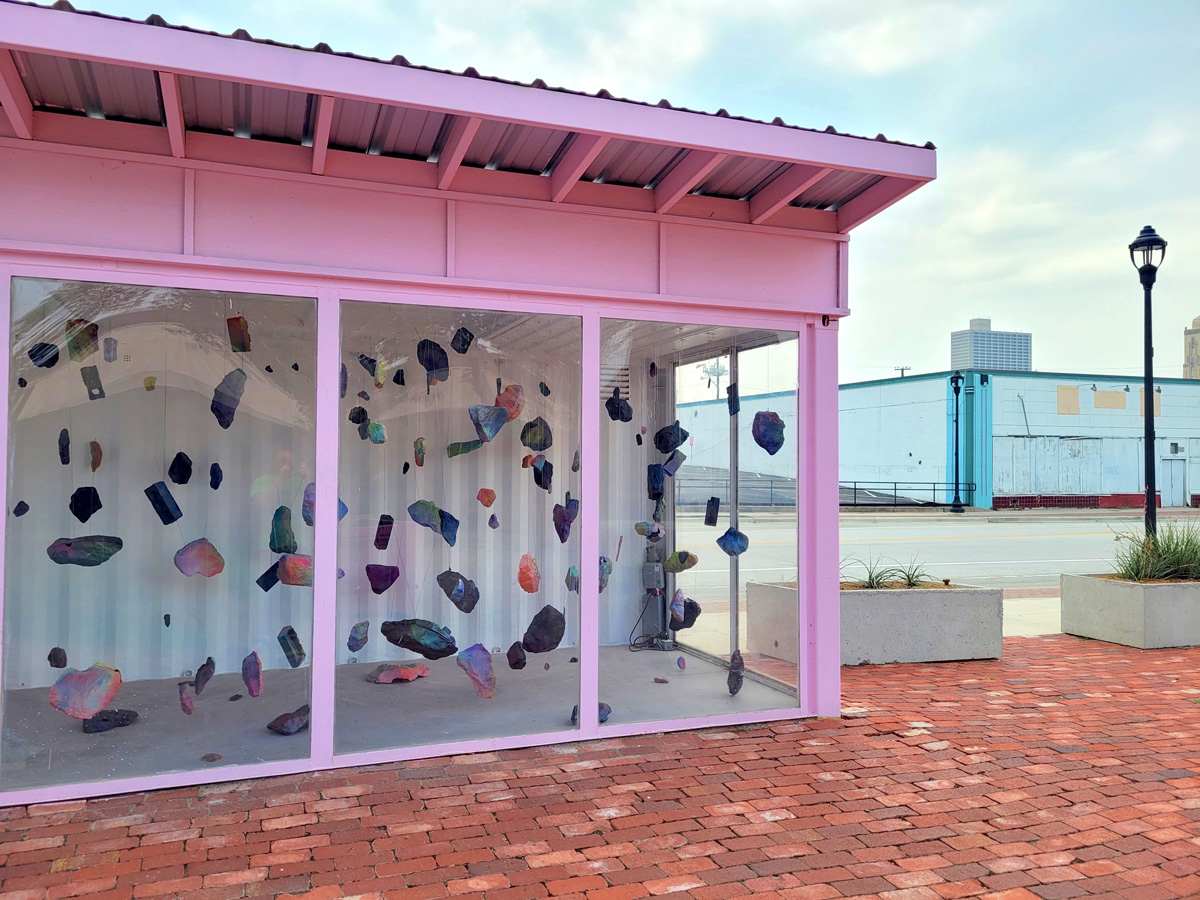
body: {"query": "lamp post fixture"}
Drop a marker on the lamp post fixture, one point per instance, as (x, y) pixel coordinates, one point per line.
(1147, 252)
(956, 382)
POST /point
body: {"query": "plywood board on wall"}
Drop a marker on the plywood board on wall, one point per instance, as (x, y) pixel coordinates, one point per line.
(1109, 399)
(1142, 403)
(1068, 399)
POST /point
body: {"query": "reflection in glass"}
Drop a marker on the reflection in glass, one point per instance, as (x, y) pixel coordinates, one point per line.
(458, 615)
(159, 444)
(680, 637)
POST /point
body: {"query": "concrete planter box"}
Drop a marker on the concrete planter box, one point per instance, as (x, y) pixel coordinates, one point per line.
(1130, 613)
(883, 626)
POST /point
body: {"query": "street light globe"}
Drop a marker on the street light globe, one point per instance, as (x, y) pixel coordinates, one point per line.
(1147, 249)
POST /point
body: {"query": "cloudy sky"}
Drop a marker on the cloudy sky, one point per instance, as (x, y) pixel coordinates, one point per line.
(1061, 128)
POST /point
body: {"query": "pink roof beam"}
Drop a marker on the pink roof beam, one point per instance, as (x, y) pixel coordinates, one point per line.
(99, 81)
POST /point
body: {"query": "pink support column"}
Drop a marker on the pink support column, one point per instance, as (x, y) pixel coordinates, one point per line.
(5, 356)
(589, 501)
(325, 636)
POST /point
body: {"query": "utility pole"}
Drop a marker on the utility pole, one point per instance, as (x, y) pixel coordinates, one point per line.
(902, 369)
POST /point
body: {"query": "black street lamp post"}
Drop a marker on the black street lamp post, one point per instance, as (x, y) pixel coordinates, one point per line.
(1147, 252)
(956, 382)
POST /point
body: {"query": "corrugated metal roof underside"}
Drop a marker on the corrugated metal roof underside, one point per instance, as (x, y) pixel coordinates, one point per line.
(99, 90)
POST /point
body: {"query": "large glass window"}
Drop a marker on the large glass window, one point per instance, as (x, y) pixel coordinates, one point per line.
(697, 520)
(458, 611)
(158, 568)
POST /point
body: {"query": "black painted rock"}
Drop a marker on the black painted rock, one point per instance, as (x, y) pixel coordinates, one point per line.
(57, 657)
(383, 532)
(180, 470)
(712, 510)
(290, 642)
(43, 355)
(358, 415)
(460, 591)
(64, 447)
(227, 396)
(269, 578)
(536, 435)
(691, 612)
(166, 620)
(215, 476)
(435, 362)
(108, 719)
(655, 479)
(295, 367)
(381, 577)
(543, 473)
(404, 470)
(767, 431)
(344, 382)
(670, 437)
(737, 673)
(91, 550)
(204, 675)
(85, 503)
(545, 632)
(290, 723)
(461, 342)
(564, 517)
(398, 377)
(516, 656)
(20, 509)
(619, 409)
(21, 382)
(368, 363)
(544, 389)
(91, 382)
(604, 711)
(732, 398)
(283, 539)
(421, 636)
(164, 504)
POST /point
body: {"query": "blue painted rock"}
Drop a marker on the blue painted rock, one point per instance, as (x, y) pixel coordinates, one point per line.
(655, 480)
(669, 438)
(564, 518)
(82, 695)
(477, 663)
(516, 656)
(488, 420)
(545, 632)
(199, 557)
(536, 435)
(606, 569)
(427, 513)
(461, 342)
(733, 542)
(767, 431)
(377, 433)
(545, 391)
(20, 509)
(676, 605)
(164, 504)
(252, 674)
(292, 648)
(680, 561)
(290, 723)
(460, 591)
(283, 539)
(493, 522)
(227, 396)
(421, 636)
(381, 577)
(91, 550)
(85, 503)
(215, 476)
(359, 635)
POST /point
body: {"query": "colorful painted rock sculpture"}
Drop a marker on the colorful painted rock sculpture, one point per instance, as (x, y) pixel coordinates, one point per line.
(85, 503)
(239, 334)
(528, 576)
(486, 496)
(252, 674)
(283, 539)
(427, 513)
(199, 557)
(83, 694)
(295, 570)
(516, 656)
(767, 431)
(680, 561)
(460, 591)
(421, 636)
(670, 437)
(359, 635)
(733, 542)
(290, 723)
(91, 550)
(476, 662)
(545, 632)
(488, 420)
(536, 435)
(389, 674)
(676, 605)
(511, 400)
(227, 396)
(381, 577)
(292, 648)
(564, 518)
(737, 673)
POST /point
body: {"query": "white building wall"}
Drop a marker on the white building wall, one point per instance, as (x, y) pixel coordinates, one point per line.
(893, 431)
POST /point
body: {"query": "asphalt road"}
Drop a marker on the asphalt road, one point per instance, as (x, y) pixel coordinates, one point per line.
(1012, 553)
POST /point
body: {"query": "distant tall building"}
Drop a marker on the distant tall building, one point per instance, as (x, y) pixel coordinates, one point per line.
(981, 348)
(1191, 350)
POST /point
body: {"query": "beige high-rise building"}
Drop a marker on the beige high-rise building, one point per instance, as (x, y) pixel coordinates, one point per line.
(1191, 350)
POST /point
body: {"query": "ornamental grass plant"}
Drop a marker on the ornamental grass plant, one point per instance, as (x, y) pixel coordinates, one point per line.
(1173, 554)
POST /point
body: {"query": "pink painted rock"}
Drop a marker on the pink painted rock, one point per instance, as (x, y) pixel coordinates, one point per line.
(386, 674)
(486, 496)
(528, 576)
(252, 674)
(199, 557)
(296, 570)
(186, 703)
(83, 694)
(477, 663)
(512, 398)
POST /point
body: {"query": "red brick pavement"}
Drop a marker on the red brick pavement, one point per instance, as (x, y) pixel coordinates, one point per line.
(1069, 768)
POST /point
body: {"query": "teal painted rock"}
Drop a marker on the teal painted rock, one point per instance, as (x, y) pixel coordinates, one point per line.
(477, 663)
(767, 431)
(427, 513)
(733, 542)
(572, 579)
(377, 433)
(429, 639)
(283, 539)
(488, 420)
(459, 448)
(91, 550)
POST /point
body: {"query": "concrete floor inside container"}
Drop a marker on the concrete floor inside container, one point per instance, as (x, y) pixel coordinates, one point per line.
(43, 746)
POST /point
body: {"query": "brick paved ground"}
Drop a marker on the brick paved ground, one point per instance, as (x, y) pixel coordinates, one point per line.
(1069, 768)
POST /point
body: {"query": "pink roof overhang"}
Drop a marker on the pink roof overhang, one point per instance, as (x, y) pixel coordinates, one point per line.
(68, 78)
